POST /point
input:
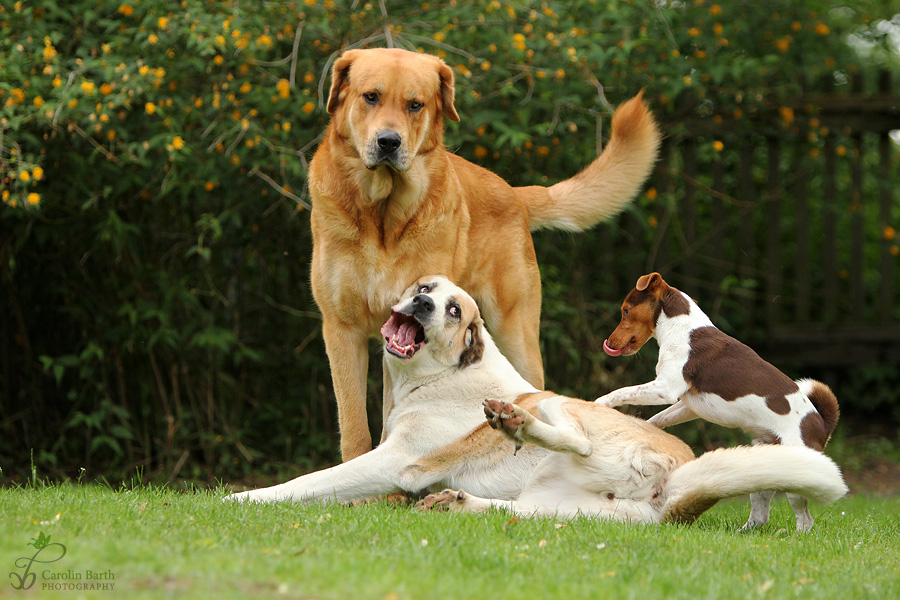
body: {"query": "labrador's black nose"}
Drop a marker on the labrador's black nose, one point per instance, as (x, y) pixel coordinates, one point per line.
(423, 302)
(388, 141)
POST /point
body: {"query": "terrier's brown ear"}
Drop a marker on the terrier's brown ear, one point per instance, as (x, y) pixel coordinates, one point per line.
(340, 77)
(475, 348)
(646, 281)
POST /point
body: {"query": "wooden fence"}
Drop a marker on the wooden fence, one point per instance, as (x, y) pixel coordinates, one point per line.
(793, 229)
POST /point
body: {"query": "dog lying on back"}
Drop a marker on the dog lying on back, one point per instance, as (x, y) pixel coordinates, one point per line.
(702, 372)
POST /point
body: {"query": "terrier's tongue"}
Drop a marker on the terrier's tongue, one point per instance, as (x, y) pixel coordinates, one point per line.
(609, 350)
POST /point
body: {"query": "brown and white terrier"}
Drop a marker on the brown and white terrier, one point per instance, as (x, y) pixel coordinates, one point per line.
(703, 372)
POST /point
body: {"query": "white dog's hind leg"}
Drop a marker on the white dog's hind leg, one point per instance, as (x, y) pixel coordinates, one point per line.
(524, 427)
(460, 501)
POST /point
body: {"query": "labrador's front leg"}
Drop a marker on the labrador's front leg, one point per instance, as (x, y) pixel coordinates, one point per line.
(348, 357)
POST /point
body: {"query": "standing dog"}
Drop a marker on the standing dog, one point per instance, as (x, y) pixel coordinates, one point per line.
(390, 204)
(575, 457)
(704, 373)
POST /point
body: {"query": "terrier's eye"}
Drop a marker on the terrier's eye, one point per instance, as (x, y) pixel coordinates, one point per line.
(624, 312)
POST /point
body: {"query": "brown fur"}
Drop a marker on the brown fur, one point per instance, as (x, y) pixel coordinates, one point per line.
(378, 224)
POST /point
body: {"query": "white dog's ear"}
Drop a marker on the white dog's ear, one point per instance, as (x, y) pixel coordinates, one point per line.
(474, 344)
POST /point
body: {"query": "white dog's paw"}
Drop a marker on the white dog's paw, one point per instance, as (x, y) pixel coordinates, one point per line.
(445, 500)
(505, 417)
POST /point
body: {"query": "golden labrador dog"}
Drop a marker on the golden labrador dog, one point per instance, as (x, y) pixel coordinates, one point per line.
(537, 453)
(390, 203)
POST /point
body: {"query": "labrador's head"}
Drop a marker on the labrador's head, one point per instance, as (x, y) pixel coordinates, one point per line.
(435, 323)
(390, 104)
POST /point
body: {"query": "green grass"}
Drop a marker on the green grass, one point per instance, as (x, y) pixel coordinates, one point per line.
(160, 542)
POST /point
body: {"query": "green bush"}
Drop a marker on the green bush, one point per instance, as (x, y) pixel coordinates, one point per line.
(153, 230)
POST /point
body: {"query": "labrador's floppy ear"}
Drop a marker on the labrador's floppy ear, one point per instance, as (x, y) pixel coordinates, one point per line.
(647, 281)
(447, 92)
(474, 344)
(340, 77)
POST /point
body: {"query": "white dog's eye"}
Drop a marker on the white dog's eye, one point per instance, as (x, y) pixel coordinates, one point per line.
(423, 289)
(453, 311)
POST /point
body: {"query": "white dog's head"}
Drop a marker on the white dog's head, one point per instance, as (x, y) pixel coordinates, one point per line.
(435, 321)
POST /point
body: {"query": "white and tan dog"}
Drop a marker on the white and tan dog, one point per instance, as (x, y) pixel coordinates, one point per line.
(703, 372)
(575, 457)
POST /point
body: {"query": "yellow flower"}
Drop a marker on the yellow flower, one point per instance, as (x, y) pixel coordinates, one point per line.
(87, 87)
(218, 59)
(38, 101)
(822, 29)
(126, 10)
(49, 52)
(16, 96)
(153, 38)
(439, 36)
(5, 195)
(162, 22)
(286, 126)
(718, 146)
(245, 124)
(787, 114)
(694, 32)
(178, 142)
(284, 88)
(106, 89)
(37, 173)
(209, 185)
(144, 70)
(308, 107)
(150, 108)
(889, 233)
(34, 198)
(480, 152)
(486, 65)
(717, 29)
(264, 40)
(246, 87)
(651, 193)
(24, 176)
(308, 77)
(715, 10)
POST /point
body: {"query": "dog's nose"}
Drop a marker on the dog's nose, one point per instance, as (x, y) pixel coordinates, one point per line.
(388, 141)
(423, 302)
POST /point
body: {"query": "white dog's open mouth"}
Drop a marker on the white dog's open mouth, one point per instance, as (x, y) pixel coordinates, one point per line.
(403, 335)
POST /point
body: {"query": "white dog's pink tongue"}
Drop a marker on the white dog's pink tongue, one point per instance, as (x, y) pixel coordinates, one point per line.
(406, 335)
(609, 350)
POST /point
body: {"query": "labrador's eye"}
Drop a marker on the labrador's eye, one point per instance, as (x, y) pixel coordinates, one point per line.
(415, 106)
(371, 98)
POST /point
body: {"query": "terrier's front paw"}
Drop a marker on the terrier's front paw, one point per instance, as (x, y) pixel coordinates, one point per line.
(445, 500)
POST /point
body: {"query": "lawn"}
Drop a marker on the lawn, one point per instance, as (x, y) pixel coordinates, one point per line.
(151, 542)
